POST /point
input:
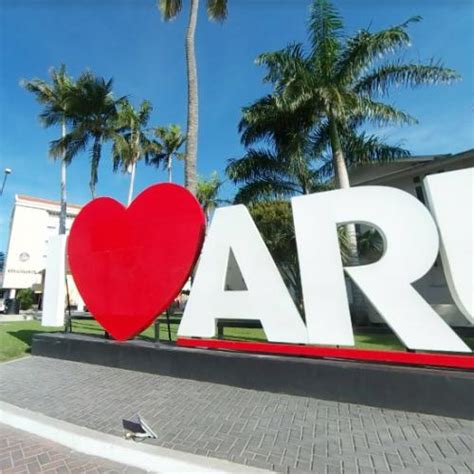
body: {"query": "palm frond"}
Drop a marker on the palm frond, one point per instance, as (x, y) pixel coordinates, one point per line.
(217, 10)
(122, 152)
(362, 148)
(271, 120)
(264, 190)
(42, 90)
(54, 96)
(169, 9)
(282, 65)
(208, 192)
(51, 115)
(169, 140)
(73, 143)
(407, 75)
(154, 154)
(380, 113)
(319, 138)
(144, 112)
(256, 164)
(325, 31)
(365, 47)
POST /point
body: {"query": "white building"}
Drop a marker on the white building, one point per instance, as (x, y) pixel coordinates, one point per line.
(408, 174)
(33, 222)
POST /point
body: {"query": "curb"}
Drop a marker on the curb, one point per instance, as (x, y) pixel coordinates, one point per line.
(84, 440)
(16, 359)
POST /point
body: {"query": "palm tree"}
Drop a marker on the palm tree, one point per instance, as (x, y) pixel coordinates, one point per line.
(294, 160)
(55, 99)
(332, 89)
(93, 119)
(208, 193)
(334, 85)
(170, 139)
(131, 143)
(216, 10)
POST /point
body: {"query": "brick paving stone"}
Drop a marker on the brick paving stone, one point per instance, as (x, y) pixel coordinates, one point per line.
(23, 452)
(281, 432)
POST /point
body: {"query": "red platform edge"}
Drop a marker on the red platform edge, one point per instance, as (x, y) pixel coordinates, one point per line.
(366, 355)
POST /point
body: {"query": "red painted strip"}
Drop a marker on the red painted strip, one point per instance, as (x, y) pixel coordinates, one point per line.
(397, 357)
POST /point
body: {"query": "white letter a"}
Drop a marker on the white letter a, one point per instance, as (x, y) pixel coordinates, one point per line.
(266, 297)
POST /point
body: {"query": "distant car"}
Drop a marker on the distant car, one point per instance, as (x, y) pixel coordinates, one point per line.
(2, 306)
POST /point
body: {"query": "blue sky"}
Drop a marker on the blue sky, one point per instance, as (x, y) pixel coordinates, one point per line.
(126, 40)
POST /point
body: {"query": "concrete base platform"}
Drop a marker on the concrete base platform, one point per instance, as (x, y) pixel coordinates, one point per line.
(434, 391)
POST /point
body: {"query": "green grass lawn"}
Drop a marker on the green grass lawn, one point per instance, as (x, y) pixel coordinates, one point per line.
(16, 337)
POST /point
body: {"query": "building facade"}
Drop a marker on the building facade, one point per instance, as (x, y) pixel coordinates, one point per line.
(33, 222)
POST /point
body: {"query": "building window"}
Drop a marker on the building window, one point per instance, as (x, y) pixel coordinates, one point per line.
(419, 189)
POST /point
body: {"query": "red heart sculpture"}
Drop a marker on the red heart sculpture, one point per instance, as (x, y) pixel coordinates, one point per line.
(130, 263)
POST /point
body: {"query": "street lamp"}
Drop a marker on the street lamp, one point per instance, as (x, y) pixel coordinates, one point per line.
(7, 171)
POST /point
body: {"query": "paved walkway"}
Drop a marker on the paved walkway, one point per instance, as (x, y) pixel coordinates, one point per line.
(21, 452)
(274, 431)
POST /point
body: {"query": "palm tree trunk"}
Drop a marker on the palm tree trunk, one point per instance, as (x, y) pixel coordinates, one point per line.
(359, 306)
(136, 140)
(132, 183)
(190, 163)
(63, 205)
(96, 151)
(168, 166)
(342, 178)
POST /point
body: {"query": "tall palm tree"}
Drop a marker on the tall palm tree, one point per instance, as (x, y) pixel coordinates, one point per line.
(54, 97)
(170, 140)
(216, 10)
(294, 160)
(131, 143)
(93, 121)
(208, 194)
(334, 85)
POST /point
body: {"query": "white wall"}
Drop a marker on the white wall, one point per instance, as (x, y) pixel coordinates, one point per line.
(33, 223)
(27, 247)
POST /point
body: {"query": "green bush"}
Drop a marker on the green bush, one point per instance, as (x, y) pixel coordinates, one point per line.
(26, 298)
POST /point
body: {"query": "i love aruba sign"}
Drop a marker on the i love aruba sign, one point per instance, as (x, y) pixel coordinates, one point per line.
(130, 263)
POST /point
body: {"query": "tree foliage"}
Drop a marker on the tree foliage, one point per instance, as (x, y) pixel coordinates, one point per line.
(54, 96)
(311, 124)
(169, 141)
(208, 193)
(26, 298)
(275, 222)
(170, 9)
(55, 99)
(130, 140)
(92, 112)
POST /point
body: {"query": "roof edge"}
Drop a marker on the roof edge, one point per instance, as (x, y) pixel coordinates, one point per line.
(24, 197)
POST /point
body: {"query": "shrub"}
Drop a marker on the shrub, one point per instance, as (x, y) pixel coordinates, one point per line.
(26, 298)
